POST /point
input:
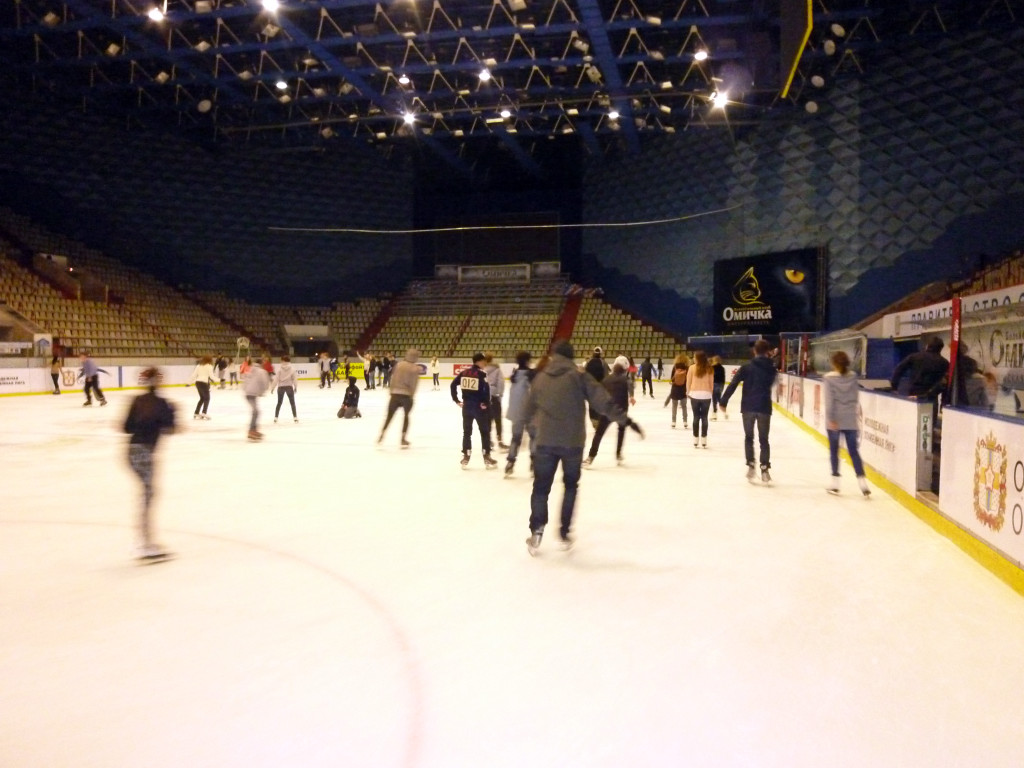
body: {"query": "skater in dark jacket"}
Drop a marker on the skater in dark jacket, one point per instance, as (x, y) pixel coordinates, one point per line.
(647, 375)
(149, 416)
(350, 405)
(757, 378)
(475, 403)
(621, 389)
(558, 394)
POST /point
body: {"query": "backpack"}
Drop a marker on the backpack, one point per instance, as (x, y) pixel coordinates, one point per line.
(679, 377)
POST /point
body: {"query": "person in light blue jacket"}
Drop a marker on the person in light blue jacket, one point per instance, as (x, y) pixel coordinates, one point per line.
(842, 390)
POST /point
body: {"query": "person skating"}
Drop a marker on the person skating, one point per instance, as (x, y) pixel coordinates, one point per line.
(621, 388)
(255, 385)
(719, 384)
(519, 390)
(148, 417)
(435, 372)
(757, 378)
(476, 399)
(287, 383)
(202, 378)
(56, 368)
(842, 390)
(91, 374)
(325, 370)
(558, 394)
(496, 381)
(677, 394)
(646, 375)
(403, 380)
(700, 385)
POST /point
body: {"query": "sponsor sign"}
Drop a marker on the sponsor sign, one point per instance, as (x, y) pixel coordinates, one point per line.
(912, 322)
(981, 485)
(547, 268)
(768, 293)
(506, 273)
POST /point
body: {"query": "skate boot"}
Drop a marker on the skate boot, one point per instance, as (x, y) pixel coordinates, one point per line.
(863, 483)
(766, 477)
(533, 543)
(255, 435)
(489, 462)
(833, 485)
(465, 459)
(405, 443)
(750, 472)
(509, 468)
(703, 442)
(152, 553)
(696, 443)
(566, 543)
(588, 462)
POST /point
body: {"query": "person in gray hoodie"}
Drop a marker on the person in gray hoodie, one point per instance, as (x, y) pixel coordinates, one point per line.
(286, 382)
(556, 406)
(757, 377)
(255, 385)
(403, 379)
(496, 381)
(517, 395)
(842, 389)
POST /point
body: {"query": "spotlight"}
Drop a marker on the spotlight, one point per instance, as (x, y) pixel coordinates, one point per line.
(409, 118)
(271, 5)
(505, 113)
(155, 14)
(700, 55)
(719, 99)
(613, 115)
(485, 75)
(404, 79)
(281, 85)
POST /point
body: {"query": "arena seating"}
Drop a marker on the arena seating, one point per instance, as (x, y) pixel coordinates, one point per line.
(599, 324)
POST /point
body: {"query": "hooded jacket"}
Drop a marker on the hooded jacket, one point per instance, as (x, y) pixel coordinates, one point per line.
(841, 391)
(495, 380)
(518, 393)
(757, 376)
(555, 405)
(286, 376)
(406, 374)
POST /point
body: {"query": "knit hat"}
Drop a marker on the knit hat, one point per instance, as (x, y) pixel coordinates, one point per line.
(598, 351)
(564, 348)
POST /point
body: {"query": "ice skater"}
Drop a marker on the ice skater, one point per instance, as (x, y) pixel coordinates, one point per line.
(202, 377)
(325, 370)
(677, 394)
(496, 381)
(287, 383)
(91, 374)
(56, 368)
(403, 380)
(620, 387)
(842, 390)
(757, 377)
(646, 375)
(148, 417)
(476, 398)
(519, 390)
(556, 406)
(700, 386)
(719, 384)
(350, 404)
(255, 385)
(435, 372)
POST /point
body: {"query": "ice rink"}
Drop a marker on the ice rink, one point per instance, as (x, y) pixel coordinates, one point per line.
(334, 603)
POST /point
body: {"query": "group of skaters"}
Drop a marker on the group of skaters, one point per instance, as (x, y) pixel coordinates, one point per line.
(550, 402)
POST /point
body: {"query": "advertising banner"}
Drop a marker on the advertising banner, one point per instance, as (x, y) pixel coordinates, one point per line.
(506, 273)
(769, 293)
(981, 485)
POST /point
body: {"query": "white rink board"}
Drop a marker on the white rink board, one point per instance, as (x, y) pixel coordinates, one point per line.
(982, 481)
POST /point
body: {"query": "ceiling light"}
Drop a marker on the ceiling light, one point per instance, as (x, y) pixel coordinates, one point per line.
(719, 99)
(817, 81)
(838, 30)
(506, 113)
(485, 75)
(162, 77)
(613, 115)
(409, 118)
(51, 19)
(271, 30)
(113, 49)
(701, 55)
(655, 20)
(202, 46)
(281, 85)
(381, 135)
(284, 98)
(327, 131)
(245, 74)
(811, 107)
(271, 5)
(665, 108)
(203, 6)
(155, 14)
(404, 79)
(830, 47)
(204, 106)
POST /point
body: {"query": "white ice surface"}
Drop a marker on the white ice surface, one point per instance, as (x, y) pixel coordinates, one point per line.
(338, 604)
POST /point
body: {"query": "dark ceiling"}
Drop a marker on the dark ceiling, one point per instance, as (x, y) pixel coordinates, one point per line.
(323, 72)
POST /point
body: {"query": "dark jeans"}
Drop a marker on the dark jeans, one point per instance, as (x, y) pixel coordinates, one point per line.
(517, 438)
(646, 382)
(471, 412)
(203, 390)
(325, 379)
(281, 392)
(763, 422)
(700, 416)
(850, 435)
(56, 385)
(602, 427)
(545, 463)
(495, 412)
(398, 401)
(93, 383)
(716, 395)
(437, 379)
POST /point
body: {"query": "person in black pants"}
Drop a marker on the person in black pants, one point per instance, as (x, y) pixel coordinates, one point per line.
(757, 376)
(646, 375)
(718, 372)
(476, 398)
(621, 388)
